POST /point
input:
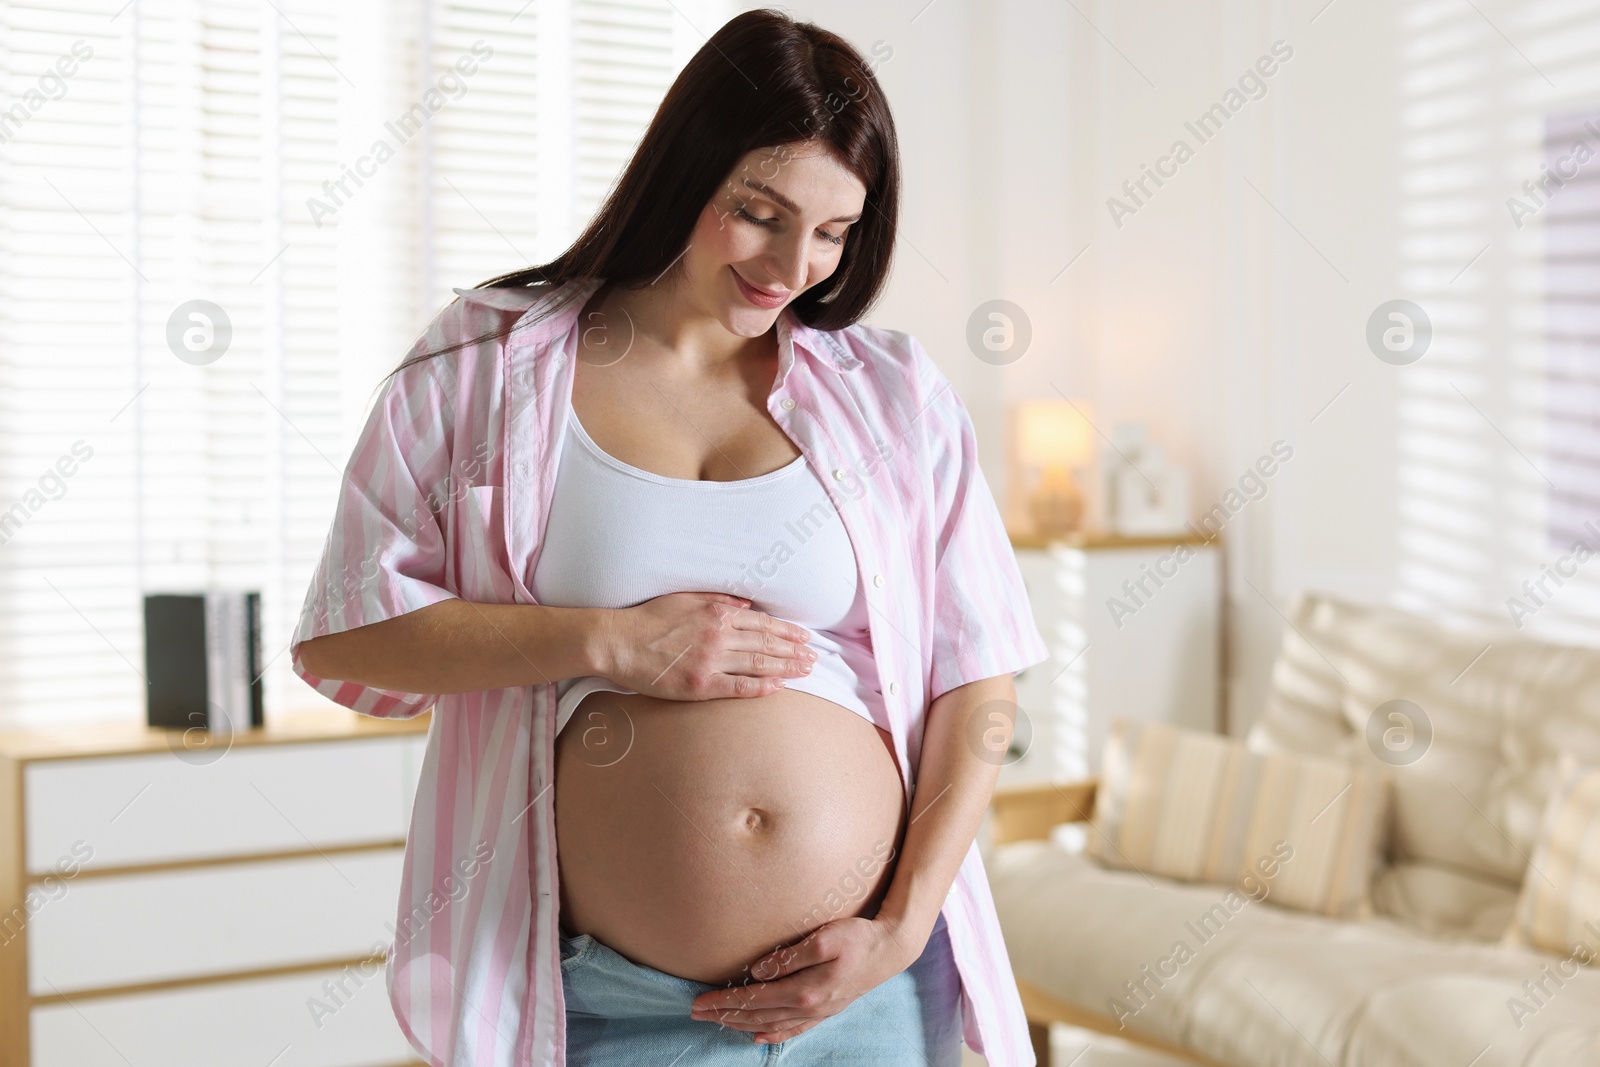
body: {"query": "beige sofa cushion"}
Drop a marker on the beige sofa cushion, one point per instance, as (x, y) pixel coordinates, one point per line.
(1444, 902)
(1274, 987)
(1559, 909)
(1497, 709)
(1202, 808)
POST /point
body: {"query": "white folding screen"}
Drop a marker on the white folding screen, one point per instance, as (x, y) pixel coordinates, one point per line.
(323, 174)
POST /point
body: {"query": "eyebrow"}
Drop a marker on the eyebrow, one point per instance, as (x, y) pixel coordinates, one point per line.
(789, 205)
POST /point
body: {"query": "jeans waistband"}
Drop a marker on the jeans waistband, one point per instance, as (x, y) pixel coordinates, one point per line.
(604, 982)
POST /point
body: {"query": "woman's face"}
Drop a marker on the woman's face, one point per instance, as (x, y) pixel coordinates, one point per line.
(779, 223)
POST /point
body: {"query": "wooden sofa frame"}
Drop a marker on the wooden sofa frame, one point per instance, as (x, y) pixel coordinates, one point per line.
(1029, 813)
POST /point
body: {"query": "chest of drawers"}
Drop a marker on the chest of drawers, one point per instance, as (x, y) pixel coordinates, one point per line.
(1135, 630)
(198, 907)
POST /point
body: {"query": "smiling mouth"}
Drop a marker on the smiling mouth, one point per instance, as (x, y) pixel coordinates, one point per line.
(759, 296)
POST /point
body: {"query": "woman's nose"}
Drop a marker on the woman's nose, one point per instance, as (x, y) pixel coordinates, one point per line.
(791, 269)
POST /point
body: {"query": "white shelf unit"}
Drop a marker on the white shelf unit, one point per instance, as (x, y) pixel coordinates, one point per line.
(1121, 645)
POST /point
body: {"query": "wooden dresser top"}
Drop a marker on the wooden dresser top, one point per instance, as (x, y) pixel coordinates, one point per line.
(1093, 539)
(121, 737)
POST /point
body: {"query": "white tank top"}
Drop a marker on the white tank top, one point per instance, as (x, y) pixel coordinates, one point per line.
(618, 536)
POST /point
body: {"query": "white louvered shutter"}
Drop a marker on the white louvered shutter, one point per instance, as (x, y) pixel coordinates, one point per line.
(223, 150)
(69, 554)
(1572, 326)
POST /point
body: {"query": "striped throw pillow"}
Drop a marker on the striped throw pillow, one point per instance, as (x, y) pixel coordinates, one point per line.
(1559, 909)
(1304, 832)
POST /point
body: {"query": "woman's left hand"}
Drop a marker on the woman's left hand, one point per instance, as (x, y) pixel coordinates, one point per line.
(796, 987)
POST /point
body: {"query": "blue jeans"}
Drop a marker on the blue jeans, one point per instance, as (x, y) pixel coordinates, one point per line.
(622, 1013)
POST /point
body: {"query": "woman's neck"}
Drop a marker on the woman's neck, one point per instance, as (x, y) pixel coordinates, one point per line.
(673, 328)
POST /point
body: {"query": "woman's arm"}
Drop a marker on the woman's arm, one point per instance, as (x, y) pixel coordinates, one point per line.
(456, 646)
(954, 787)
(680, 646)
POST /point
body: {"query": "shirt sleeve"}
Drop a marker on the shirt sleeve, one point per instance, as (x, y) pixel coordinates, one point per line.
(983, 624)
(385, 554)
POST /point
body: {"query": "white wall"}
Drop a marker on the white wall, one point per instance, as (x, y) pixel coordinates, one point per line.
(1229, 311)
(1403, 134)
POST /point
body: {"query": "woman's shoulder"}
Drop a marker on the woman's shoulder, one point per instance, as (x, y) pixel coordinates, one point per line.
(893, 359)
(512, 304)
(518, 297)
(475, 326)
(893, 379)
(460, 346)
(506, 297)
(863, 344)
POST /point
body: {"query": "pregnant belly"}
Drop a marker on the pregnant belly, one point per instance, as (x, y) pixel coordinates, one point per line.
(697, 836)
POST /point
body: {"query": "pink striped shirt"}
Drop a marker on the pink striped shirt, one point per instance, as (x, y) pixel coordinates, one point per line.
(445, 495)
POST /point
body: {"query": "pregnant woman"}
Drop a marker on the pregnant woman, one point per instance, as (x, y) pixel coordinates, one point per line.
(714, 609)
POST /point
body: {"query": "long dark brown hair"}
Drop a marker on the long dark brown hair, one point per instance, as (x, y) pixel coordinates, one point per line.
(761, 81)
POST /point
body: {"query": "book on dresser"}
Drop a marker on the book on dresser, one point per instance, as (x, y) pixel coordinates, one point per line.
(203, 660)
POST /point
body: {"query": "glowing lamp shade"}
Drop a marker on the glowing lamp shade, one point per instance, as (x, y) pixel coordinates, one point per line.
(1051, 433)
(1052, 439)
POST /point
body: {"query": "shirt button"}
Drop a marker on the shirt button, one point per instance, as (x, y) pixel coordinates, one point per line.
(894, 687)
(787, 403)
(839, 474)
(877, 579)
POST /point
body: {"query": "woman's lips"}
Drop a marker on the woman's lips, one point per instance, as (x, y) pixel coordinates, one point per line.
(756, 296)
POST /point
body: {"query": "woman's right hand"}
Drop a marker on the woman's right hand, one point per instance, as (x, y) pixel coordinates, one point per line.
(701, 646)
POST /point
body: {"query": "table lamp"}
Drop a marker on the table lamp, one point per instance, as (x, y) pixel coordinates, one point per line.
(1053, 439)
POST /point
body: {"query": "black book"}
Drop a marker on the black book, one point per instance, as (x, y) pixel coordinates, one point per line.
(256, 668)
(203, 660)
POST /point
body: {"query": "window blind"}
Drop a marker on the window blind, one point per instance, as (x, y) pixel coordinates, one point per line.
(322, 174)
(1494, 446)
(1570, 199)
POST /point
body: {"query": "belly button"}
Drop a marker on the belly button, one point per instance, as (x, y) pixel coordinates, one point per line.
(755, 819)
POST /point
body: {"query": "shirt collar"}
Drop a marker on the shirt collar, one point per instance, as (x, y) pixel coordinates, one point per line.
(793, 334)
(824, 344)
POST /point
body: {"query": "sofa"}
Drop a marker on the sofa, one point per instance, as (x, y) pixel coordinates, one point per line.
(1428, 977)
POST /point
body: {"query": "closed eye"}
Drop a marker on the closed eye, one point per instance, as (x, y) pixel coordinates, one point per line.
(743, 214)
